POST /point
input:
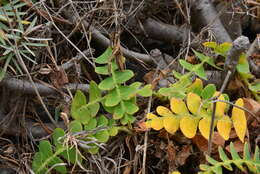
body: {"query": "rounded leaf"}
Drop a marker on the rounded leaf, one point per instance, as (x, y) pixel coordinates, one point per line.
(163, 111)
(188, 126)
(220, 107)
(193, 102)
(151, 116)
(157, 123)
(178, 106)
(224, 127)
(171, 124)
(102, 136)
(239, 120)
(204, 127)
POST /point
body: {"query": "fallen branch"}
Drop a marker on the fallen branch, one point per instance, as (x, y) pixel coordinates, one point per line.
(25, 87)
(207, 16)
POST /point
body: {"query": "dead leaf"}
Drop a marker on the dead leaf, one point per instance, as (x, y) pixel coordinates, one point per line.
(239, 146)
(141, 126)
(183, 155)
(200, 142)
(254, 107)
(218, 140)
(59, 78)
(171, 153)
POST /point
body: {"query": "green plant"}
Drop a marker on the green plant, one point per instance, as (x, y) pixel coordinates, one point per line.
(196, 113)
(242, 66)
(180, 88)
(90, 128)
(253, 164)
(15, 36)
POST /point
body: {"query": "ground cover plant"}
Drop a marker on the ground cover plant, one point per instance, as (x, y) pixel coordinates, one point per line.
(131, 87)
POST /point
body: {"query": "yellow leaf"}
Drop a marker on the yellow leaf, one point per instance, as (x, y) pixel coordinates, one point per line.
(178, 106)
(163, 111)
(175, 172)
(25, 22)
(188, 126)
(151, 116)
(171, 124)
(239, 120)
(157, 123)
(193, 102)
(204, 127)
(148, 124)
(220, 106)
(224, 127)
(197, 85)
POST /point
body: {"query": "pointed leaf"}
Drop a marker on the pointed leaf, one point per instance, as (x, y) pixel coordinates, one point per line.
(199, 71)
(104, 58)
(224, 157)
(186, 64)
(208, 91)
(246, 155)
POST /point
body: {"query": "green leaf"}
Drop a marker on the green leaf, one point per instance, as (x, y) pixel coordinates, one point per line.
(58, 133)
(94, 95)
(123, 76)
(127, 119)
(255, 87)
(211, 160)
(208, 91)
(206, 59)
(107, 84)
(210, 44)
(38, 159)
(224, 157)
(82, 115)
(45, 149)
(131, 108)
(61, 169)
(113, 131)
(71, 155)
(199, 71)
(78, 101)
(91, 124)
(112, 99)
(246, 152)
(136, 85)
(104, 58)
(127, 92)
(146, 91)
(186, 64)
(176, 74)
(75, 126)
(102, 121)
(104, 70)
(102, 136)
(93, 150)
(119, 112)
(235, 157)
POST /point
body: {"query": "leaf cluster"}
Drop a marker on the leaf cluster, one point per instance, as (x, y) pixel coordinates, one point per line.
(15, 36)
(253, 164)
(196, 113)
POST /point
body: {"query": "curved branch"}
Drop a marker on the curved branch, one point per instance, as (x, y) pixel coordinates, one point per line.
(206, 15)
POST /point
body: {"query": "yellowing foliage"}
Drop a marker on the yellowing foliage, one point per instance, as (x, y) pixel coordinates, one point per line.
(239, 120)
(193, 115)
(157, 123)
(163, 111)
(188, 126)
(204, 127)
(171, 124)
(193, 102)
(178, 106)
(220, 106)
(224, 127)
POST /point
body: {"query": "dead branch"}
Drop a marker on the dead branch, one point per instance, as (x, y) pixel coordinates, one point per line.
(25, 87)
(206, 15)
